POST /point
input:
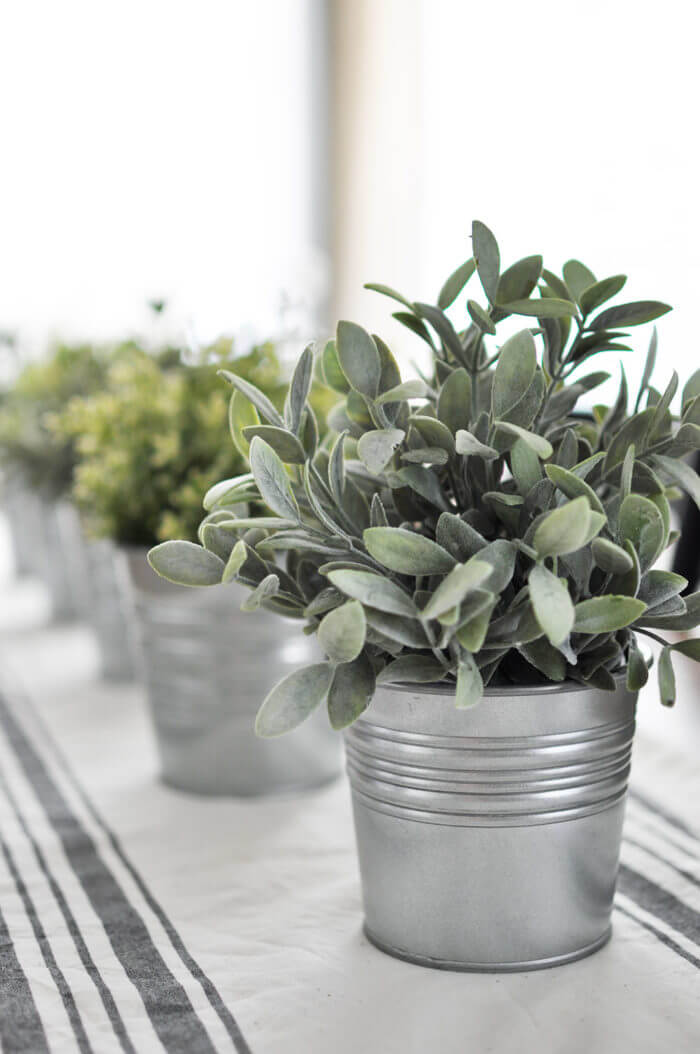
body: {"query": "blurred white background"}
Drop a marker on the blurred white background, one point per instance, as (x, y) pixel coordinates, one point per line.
(182, 150)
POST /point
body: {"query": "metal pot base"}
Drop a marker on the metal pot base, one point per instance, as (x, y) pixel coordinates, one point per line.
(467, 967)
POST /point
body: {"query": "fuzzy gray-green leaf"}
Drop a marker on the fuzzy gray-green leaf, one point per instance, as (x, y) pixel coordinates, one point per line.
(551, 603)
(359, 358)
(514, 372)
(293, 700)
(272, 480)
(341, 633)
(374, 590)
(186, 563)
(406, 552)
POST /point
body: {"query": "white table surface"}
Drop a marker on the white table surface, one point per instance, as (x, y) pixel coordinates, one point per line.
(264, 896)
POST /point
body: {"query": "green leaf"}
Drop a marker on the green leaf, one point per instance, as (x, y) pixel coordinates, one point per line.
(235, 562)
(282, 442)
(480, 317)
(537, 443)
(577, 277)
(267, 588)
(272, 480)
(607, 614)
(443, 327)
(377, 448)
(350, 692)
(564, 530)
(374, 591)
(426, 455)
(405, 552)
(635, 314)
(336, 469)
(241, 414)
(641, 523)
(186, 564)
(657, 587)
(487, 258)
(475, 615)
(359, 358)
(551, 603)
(468, 445)
(595, 295)
(470, 687)
(691, 389)
(385, 290)
(412, 669)
(667, 678)
(689, 648)
(501, 555)
(434, 432)
(460, 581)
(518, 281)
(455, 284)
(573, 486)
(331, 371)
(545, 658)
(611, 557)
(545, 307)
(454, 400)
(299, 388)
(525, 466)
(460, 539)
(415, 389)
(405, 631)
(637, 670)
(255, 396)
(341, 633)
(293, 700)
(514, 372)
(424, 482)
(559, 288)
(682, 474)
(226, 493)
(688, 620)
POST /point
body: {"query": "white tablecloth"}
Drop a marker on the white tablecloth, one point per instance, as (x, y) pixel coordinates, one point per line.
(135, 918)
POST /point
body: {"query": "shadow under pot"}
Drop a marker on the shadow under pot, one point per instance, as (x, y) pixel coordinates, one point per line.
(489, 839)
(207, 667)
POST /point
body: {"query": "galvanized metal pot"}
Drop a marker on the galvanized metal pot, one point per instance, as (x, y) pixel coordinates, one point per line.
(489, 838)
(64, 568)
(23, 512)
(111, 616)
(207, 668)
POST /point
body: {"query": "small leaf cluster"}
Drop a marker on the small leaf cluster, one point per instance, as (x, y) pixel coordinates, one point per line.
(471, 526)
(28, 449)
(148, 443)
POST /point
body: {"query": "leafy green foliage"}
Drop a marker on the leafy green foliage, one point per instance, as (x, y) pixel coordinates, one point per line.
(469, 527)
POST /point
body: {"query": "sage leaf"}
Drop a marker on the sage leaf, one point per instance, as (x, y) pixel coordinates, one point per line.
(657, 587)
(537, 443)
(637, 669)
(682, 474)
(412, 669)
(545, 658)
(641, 523)
(255, 396)
(293, 700)
(470, 687)
(573, 486)
(635, 314)
(434, 432)
(272, 480)
(564, 530)
(545, 307)
(577, 277)
(414, 389)
(376, 448)
(405, 631)
(468, 445)
(299, 389)
(186, 563)
(480, 317)
(519, 280)
(350, 692)
(517, 362)
(487, 258)
(330, 369)
(455, 284)
(235, 562)
(525, 466)
(454, 400)
(267, 588)
(460, 539)
(374, 591)
(385, 290)
(405, 552)
(475, 615)
(667, 678)
(241, 414)
(341, 633)
(282, 442)
(359, 358)
(553, 607)
(607, 613)
(689, 648)
(597, 293)
(460, 581)
(610, 557)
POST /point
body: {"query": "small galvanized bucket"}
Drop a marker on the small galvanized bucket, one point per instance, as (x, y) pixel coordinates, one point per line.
(207, 668)
(64, 569)
(489, 838)
(23, 511)
(111, 616)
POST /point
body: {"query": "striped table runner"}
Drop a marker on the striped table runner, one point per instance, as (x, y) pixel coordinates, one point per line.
(91, 960)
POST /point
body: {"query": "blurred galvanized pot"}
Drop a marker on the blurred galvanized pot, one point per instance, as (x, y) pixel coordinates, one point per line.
(489, 838)
(64, 568)
(23, 512)
(207, 668)
(111, 616)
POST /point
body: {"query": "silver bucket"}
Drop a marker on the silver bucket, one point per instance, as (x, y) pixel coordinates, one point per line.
(64, 568)
(207, 667)
(489, 838)
(23, 511)
(111, 617)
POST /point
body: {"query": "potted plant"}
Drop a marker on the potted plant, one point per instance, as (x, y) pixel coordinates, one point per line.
(148, 446)
(476, 560)
(38, 469)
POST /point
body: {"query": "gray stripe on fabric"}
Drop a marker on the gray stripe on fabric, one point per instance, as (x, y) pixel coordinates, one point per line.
(663, 937)
(224, 1014)
(657, 901)
(49, 958)
(21, 1030)
(687, 875)
(167, 1004)
(86, 959)
(664, 813)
